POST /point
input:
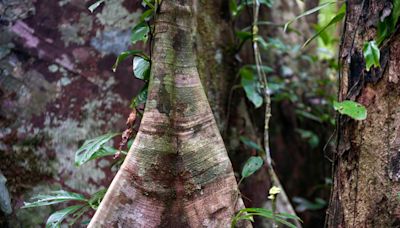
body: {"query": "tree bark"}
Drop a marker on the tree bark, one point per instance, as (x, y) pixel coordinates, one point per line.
(366, 165)
(177, 173)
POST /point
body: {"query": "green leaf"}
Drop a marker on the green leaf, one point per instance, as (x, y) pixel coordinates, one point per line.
(268, 3)
(251, 85)
(312, 138)
(147, 15)
(96, 198)
(76, 215)
(53, 197)
(233, 7)
(248, 142)
(123, 56)
(90, 147)
(308, 12)
(57, 217)
(140, 98)
(141, 68)
(337, 18)
(94, 6)
(140, 32)
(104, 151)
(243, 36)
(304, 204)
(371, 54)
(350, 108)
(251, 166)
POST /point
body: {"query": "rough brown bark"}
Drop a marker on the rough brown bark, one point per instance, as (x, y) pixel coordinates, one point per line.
(177, 173)
(366, 165)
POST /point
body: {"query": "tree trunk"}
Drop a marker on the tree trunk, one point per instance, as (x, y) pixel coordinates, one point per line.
(177, 173)
(366, 165)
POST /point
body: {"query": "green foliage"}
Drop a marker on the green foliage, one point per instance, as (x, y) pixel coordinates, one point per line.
(371, 54)
(250, 143)
(123, 56)
(140, 98)
(304, 204)
(251, 166)
(55, 219)
(310, 136)
(308, 12)
(94, 148)
(54, 197)
(236, 8)
(337, 18)
(350, 108)
(140, 32)
(388, 25)
(95, 200)
(249, 213)
(75, 211)
(251, 86)
(141, 68)
(95, 5)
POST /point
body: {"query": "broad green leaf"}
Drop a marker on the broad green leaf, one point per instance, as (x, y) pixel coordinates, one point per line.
(91, 147)
(371, 54)
(248, 142)
(308, 12)
(242, 35)
(53, 197)
(251, 85)
(96, 198)
(251, 166)
(94, 6)
(140, 32)
(337, 18)
(147, 15)
(140, 98)
(350, 108)
(121, 57)
(104, 151)
(141, 68)
(388, 25)
(55, 219)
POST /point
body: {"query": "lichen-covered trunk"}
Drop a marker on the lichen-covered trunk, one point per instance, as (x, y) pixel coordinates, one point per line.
(177, 173)
(367, 162)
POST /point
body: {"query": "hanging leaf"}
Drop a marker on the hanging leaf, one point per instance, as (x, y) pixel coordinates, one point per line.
(53, 197)
(251, 85)
(91, 147)
(140, 98)
(95, 5)
(308, 12)
(251, 166)
(140, 33)
(57, 217)
(337, 18)
(233, 7)
(350, 108)
(248, 142)
(141, 68)
(371, 54)
(121, 57)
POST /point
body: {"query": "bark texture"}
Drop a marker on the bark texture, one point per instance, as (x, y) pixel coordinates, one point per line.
(177, 173)
(366, 165)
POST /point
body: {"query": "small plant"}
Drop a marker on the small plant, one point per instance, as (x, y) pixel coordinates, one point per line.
(249, 213)
(80, 206)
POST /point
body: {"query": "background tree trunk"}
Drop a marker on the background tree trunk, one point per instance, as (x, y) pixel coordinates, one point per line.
(177, 173)
(366, 165)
